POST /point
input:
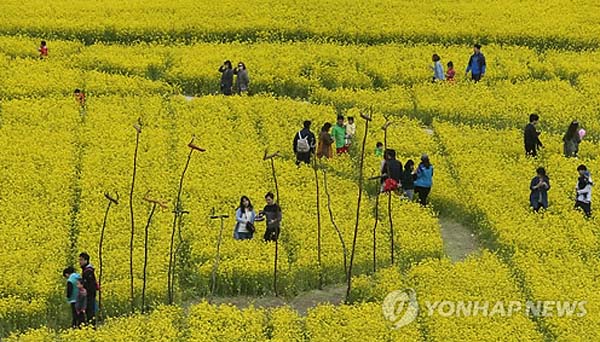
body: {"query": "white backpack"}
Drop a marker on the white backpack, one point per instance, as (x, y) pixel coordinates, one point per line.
(302, 145)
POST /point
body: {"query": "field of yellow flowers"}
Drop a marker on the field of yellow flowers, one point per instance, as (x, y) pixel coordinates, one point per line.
(153, 65)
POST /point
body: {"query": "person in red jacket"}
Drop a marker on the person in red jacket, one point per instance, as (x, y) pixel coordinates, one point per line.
(43, 49)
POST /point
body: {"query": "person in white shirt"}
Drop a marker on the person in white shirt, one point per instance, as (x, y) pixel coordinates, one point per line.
(244, 217)
(584, 191)
(350, 131)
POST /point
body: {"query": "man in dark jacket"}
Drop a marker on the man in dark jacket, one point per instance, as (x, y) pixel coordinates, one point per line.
(304, 144)
(226, 71)
(391, 171)
(272, 214)
(531, 136)
(476, 64)
(90, 285)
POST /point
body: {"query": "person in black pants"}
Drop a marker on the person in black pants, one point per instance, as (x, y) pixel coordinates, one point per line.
(272, 215)
(90, 285)
(584, 191)
(304, 144)
(532, 136)
(72, 292)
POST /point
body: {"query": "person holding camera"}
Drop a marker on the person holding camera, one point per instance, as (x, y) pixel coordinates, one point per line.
(242, 81)
(226, 71)
(540, 184)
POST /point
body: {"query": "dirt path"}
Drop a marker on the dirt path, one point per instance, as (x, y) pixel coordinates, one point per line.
(458, 240)
(333, 294)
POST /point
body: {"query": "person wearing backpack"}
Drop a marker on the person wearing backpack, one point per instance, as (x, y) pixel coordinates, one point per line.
(304, 144)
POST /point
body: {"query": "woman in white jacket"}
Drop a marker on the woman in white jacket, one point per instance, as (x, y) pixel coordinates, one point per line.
(584, 191)
(244, 217)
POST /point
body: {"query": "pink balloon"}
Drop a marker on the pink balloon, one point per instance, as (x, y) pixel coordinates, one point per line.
(581, 133)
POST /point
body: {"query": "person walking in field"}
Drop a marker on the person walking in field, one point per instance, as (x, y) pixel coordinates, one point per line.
(539, 186)
(379, 149)
(339, 134)
(43, 50)
(324, 149)
(476, 65)
(391, 172)
(532, 136)
(226, 71)
(304, 144)
(450, 72)
(72, 292)
(438, 69)
(79, 97)
(408, 179)
(81, 303)
(91, 287)
(424, 179)
(271, 213)
(242, 80)
(571, 140)
(244, 217)
(584, 190)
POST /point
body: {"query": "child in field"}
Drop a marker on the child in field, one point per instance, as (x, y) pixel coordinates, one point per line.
(350, 131)
(43, 49)
(379, 149)
(450, 73)
(81, 303)
(79, 97)
(339, 135)
(72, 292)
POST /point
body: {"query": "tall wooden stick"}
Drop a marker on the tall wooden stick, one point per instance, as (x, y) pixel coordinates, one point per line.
(272, 157)
(154, 204)
(217, 257)
(111, 200)
(319, 265)
(335, 226)
(375, 233)
(360, 191)
(146, 256)
(138, 129)
(177, 216)
(390, 216)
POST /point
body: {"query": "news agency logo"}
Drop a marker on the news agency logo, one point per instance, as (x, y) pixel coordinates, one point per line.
(401, 308)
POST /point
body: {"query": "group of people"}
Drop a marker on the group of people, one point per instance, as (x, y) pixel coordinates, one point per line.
(540, 184)
(246, 216)
(476, 67)
(305, 144)
(405, 180)
(242, 80)
(81, 292)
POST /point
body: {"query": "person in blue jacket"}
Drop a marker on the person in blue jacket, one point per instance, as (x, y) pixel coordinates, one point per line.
(539, 186)
(72, 292)
(476, 64)
(424, 179)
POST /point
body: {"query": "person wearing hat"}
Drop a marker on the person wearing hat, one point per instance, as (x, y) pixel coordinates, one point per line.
(476, 64)
(571, 140)
(424, 179)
